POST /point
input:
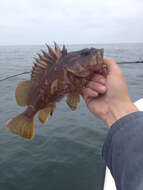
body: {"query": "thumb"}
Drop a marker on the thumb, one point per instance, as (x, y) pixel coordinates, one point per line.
(111, 65)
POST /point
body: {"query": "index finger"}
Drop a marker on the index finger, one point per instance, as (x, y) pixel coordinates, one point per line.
(99, 78)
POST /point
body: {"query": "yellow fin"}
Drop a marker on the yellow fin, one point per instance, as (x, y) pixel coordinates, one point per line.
(45, 113)
(73, 100)
(22, 126)
(22, 92)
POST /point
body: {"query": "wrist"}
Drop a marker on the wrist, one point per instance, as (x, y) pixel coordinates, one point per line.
(118, 111)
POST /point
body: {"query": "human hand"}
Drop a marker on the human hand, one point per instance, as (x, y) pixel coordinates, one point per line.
(108, 98)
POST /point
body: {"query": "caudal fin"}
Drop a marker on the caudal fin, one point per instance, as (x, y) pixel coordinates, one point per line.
(22, 126)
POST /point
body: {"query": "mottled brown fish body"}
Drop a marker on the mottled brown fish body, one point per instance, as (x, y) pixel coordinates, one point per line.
(55, 74)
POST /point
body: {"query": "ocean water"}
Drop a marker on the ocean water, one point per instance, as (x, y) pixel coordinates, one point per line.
(66, 152)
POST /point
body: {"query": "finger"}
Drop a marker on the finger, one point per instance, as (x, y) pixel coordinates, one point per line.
(97, 87)
(112, 65)
(99, 78)
(87, 92)
(109, 61)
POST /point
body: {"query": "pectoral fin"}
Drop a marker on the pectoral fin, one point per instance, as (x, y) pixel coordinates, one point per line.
(78, 71)
(22, 92)
(73, 100)
(45, 113)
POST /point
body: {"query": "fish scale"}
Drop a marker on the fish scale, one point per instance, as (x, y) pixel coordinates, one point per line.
(55, 74)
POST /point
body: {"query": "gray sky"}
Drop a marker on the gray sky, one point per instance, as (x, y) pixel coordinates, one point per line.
(70, 21)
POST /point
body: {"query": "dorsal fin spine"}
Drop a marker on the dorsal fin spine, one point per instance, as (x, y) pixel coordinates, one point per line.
(57, 50)
(42, 62)
(51, 52)
(39, 65)
(64, 51)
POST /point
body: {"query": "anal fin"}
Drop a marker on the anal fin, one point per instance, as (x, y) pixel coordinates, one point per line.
(45, 113)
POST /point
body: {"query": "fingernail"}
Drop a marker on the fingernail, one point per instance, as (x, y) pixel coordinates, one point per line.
(103, 88)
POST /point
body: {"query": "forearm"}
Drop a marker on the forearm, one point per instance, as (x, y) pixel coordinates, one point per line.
(123, 152)
(118, 110)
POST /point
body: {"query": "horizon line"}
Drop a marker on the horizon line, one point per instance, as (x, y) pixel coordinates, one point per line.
(73, 44)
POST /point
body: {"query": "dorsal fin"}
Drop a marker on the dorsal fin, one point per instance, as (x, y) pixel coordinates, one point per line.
(45, 61)
(57, 49)
(51, 52)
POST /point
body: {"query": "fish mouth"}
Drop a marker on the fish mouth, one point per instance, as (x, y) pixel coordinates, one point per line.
(100, 67)
(98, 61)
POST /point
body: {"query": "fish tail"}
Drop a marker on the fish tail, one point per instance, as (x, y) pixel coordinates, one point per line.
(22, 125)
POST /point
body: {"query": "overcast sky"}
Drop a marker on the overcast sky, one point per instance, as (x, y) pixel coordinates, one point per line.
(70, 21)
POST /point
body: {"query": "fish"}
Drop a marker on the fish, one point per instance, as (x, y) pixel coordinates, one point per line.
(56, 73)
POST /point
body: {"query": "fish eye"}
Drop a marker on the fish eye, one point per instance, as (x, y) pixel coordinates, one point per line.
(85, 52)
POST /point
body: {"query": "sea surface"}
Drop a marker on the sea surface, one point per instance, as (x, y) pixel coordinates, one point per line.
(66, 152)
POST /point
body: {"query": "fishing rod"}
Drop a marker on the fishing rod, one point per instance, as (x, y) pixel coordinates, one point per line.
(27, 72)
(129, 62)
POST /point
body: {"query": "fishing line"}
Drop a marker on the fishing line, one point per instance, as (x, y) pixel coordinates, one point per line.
(27, 72)
(15, 75)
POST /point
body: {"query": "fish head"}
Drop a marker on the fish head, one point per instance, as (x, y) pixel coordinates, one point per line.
(85, 62)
